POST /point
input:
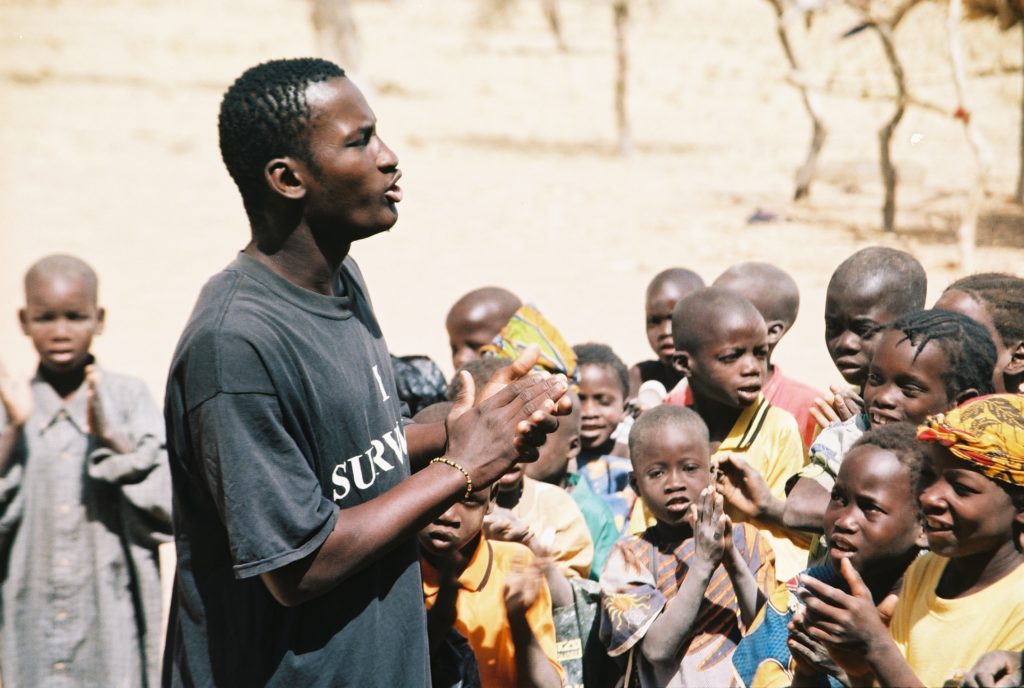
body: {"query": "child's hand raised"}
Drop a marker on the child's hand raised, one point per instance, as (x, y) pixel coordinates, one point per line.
(743, 488)
(836, 406)
(522, 587)
(16, 397)
(848, 625)
(502, 524)
(810, 657)
(99, 420)
(710, 525)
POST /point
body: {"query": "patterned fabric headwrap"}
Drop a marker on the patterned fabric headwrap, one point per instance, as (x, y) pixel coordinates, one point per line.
(527, 326)
(987, 431)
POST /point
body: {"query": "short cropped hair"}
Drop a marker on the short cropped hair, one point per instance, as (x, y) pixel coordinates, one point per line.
(61, 265)
(263, 116)
(902, 271)
(966, 343)
(592, 353)
(901, 440)
(659, 417)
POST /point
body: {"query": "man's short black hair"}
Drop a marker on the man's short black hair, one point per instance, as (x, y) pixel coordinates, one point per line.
(263, 116)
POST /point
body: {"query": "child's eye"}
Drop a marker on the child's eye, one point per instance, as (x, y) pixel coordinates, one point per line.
(837, 498)
(874, 378)
(656, 473)
(866, 330)
(911, 391)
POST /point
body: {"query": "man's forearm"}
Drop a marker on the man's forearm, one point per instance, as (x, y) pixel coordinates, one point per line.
(364, 533)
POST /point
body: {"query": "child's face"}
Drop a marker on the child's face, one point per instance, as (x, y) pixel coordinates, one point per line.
(966, 305)
(964, 511)
(659, 306)
(61, 317)
(901, 387)
(731, 364)
(558, 449)
(467, 336)
(872, 517)
(670, 471)
(601, 404)
(852, 319)
(457, 526)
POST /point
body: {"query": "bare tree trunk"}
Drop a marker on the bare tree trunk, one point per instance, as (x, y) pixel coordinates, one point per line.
(889, 174)
(336, 35)
(620, 12)
(967, 231)
(555, 23)
(1019, 196)
(805, 173)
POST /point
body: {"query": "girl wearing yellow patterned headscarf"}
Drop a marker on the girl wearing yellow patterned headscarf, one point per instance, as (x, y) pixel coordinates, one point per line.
(986, 431)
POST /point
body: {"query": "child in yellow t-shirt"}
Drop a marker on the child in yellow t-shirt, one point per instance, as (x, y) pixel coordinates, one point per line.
(966, 596)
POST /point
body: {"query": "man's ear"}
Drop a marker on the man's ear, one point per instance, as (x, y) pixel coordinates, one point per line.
(681, 362)
(23, 319)
(286, 177)
(776, 328)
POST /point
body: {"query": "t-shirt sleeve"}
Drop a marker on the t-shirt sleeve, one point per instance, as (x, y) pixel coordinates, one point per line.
(787, 455)
(630, 600)
(266, 492)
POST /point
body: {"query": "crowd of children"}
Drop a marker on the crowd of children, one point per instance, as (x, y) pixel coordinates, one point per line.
(697, 519)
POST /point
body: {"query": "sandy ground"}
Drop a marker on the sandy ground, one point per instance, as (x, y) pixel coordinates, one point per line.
(108, 111)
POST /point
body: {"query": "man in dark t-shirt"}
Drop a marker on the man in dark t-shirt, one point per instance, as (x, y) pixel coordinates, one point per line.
(298, 490)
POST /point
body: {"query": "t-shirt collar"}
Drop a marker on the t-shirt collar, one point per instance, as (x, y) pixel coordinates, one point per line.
(747, 426)
(338, 306)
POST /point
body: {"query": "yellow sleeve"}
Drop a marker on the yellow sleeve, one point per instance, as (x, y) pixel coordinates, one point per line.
(787, 452)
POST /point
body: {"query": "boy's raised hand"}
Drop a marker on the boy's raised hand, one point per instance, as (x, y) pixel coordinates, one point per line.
(848, 625)
(710, 526)
(838, 405)
(502, 524)
(810, 656)
(522, 586)
(743, 488)
(16, 397)
(99, 420)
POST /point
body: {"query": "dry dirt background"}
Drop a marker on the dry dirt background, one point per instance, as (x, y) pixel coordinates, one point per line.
(108, 112)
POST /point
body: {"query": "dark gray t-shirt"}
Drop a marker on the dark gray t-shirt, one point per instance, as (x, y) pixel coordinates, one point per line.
(282, 412)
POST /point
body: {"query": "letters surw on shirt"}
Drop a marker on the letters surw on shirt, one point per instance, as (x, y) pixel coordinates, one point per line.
(363, 469)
